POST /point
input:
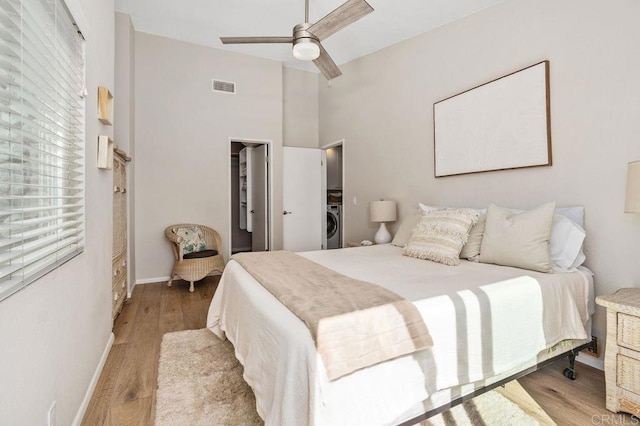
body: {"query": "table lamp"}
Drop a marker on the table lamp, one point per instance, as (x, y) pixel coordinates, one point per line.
(632, 203)
(382, 211)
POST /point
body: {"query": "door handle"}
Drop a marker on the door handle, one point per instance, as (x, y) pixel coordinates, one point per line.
(286, 212)
(252, 211)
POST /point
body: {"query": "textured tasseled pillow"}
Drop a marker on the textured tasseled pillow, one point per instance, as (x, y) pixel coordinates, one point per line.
(441, 234)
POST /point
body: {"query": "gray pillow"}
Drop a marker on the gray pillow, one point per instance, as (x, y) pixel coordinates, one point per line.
(518, 239)
(408, 222)
(471, 250)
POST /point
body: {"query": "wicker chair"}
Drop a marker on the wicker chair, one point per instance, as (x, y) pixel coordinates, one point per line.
(199, 265)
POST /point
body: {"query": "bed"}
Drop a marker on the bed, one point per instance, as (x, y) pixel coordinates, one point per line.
(487, 323)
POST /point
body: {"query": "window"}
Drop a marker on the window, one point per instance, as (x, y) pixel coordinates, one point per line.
(41, 140)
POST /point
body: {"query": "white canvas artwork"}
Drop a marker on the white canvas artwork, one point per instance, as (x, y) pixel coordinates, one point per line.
(503, 124)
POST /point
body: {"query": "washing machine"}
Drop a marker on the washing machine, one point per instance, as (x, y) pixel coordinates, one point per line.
(334, 226)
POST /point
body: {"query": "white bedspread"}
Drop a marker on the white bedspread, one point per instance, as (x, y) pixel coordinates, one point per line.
(484, 320)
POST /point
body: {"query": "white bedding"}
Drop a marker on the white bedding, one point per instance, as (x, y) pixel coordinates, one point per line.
(485, 320)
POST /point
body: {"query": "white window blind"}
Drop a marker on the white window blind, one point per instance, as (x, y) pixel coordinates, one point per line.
(41, 140)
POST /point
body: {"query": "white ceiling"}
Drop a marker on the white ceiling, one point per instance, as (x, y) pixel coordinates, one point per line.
(204, 21)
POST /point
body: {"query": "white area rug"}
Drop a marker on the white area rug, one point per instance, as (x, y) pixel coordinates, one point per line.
(200, 383)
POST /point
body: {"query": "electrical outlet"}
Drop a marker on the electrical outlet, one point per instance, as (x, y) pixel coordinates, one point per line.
(52, 415)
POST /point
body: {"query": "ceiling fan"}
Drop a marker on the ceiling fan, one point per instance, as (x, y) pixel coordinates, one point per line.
(307, 37)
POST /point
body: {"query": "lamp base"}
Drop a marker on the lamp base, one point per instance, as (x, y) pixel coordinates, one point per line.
(382, 236)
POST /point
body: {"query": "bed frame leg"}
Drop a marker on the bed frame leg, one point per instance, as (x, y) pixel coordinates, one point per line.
(569, 372)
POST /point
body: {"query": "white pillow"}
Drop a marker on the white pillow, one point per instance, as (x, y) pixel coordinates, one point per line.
(579, 260)
(425, 208)
(565, 245)
(575, 213)
(518, 239)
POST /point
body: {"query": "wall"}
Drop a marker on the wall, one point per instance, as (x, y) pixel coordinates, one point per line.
(124, 119)
(182, 136)
(300, 108)
(382, 106)
(55, 331)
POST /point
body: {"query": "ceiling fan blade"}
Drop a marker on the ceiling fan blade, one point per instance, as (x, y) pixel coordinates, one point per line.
(325, 64)
(346, 14)
(248, 40)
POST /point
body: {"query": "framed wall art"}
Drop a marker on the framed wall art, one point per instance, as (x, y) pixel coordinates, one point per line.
(502, 124)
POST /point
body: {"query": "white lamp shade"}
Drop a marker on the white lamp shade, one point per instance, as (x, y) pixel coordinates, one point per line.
(306, 49)
(382, 211)
(632, 203)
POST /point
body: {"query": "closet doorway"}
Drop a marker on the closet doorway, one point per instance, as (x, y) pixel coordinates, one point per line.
(250, 196)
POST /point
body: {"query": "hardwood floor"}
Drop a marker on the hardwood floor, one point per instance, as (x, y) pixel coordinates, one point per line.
(579, 402)
(125, 393)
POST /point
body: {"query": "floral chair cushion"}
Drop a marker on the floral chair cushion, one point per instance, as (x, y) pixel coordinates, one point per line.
(193, 239)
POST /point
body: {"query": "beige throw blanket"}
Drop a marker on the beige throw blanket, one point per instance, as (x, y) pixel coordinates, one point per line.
(354, 324)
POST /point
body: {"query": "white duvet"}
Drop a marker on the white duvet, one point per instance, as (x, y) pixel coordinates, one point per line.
(485, 320)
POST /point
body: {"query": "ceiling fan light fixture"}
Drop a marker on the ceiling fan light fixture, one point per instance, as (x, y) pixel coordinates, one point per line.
(306, 49)
(307, 37)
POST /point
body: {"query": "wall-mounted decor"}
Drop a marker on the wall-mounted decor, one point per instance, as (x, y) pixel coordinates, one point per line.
(105, 106)
(105, 152)
(503, 124)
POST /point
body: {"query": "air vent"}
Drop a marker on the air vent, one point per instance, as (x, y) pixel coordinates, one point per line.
(223, 86)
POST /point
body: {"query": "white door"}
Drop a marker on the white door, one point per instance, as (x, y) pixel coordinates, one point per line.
(259, 199)
(302, 198)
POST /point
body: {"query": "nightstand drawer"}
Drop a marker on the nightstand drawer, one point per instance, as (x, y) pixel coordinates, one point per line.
(629, 331)
(628, 374)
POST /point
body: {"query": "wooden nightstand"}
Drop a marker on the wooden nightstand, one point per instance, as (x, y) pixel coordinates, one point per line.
(622, 356)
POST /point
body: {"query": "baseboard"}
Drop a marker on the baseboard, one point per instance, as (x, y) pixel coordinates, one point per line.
(152, 280)
(591, 361)
(163, 280)
(93, 383)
